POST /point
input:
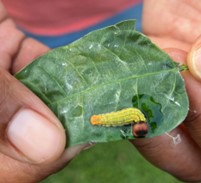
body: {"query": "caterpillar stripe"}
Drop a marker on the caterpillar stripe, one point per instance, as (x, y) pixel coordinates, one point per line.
(119, 118)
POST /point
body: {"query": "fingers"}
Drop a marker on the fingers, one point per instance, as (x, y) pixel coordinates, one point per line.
(162, 152)
(193, 87)
(16, 51)
(29, 50)
(29, 130)
(32, 140)
(194, 59)
(193, 120)
(10, 39)
(181, 160)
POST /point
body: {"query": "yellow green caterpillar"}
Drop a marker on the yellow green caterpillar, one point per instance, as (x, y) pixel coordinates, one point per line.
(123, 117)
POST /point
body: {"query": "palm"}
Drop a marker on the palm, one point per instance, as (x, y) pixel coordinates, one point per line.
(172, 23)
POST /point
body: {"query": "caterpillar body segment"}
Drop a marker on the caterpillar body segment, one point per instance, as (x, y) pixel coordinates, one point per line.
(123, 117)
(119, 118)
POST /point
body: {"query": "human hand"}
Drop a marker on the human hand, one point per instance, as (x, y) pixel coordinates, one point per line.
(32, 139)
(176, 23)
(182, 160)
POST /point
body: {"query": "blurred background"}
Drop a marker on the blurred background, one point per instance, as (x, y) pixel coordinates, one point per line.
(114, 162)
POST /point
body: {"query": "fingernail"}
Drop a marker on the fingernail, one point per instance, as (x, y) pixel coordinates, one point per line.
(194, 60)
(197, 60)
(35, 137)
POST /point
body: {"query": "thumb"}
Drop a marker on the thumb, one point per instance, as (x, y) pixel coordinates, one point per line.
(194, 59)
(29, 130)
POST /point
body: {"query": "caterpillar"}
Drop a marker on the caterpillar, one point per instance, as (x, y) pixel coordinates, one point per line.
(123, 117)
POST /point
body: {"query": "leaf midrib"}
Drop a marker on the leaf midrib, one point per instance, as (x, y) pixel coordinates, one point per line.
(176, 69)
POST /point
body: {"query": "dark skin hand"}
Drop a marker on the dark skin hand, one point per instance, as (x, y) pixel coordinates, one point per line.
(32, 141)
(21, 111)
(179, 27)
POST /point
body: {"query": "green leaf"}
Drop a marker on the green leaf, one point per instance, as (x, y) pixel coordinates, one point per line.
(108, 70)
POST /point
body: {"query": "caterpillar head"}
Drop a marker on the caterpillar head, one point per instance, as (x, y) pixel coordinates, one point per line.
(140, 129)
(95, 120)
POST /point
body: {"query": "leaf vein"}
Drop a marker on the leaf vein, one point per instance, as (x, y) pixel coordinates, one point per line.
(118, 81)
